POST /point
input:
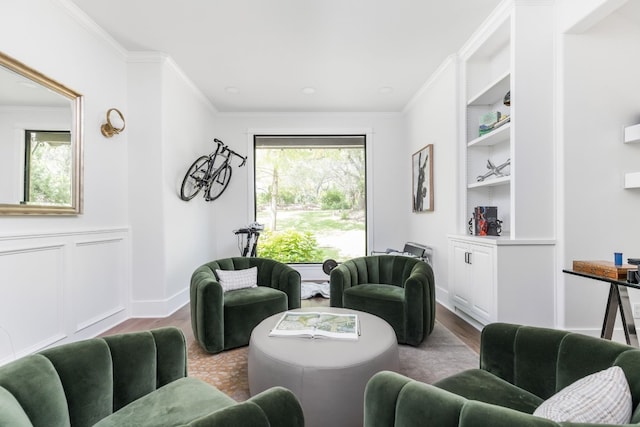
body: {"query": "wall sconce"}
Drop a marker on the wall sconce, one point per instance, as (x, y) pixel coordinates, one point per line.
(108, 129)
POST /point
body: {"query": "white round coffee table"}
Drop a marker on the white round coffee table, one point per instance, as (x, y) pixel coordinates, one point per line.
(327, 375)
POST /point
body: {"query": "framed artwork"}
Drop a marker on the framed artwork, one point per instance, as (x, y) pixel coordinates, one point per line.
(422, 179)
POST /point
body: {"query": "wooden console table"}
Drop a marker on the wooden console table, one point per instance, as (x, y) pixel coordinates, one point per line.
(618, 298)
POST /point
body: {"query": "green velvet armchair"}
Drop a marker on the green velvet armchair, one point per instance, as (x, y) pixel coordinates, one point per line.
(137, 379)
(398, 289)
(224, 320)
(520, 368)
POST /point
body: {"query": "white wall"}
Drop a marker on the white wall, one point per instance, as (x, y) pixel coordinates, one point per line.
(600, 94)
(431, 118)
(388, 170)
(132, 251)
(171, 126)
(188, 132)
(65, 278)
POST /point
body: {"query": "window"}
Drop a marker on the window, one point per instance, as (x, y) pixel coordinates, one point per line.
(47, 162)
(311, 197)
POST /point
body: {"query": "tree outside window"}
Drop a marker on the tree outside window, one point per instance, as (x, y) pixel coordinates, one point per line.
(310, 195)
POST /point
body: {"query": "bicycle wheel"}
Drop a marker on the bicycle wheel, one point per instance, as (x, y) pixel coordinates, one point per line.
(194, 180)
(219, 183)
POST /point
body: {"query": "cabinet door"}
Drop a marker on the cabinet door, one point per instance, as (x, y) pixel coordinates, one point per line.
(482, 273)
(460, 274)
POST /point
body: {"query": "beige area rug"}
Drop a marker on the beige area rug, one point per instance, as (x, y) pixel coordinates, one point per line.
(440, 355)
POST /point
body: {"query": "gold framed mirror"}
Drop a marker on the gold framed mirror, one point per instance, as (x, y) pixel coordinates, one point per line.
(40, 143)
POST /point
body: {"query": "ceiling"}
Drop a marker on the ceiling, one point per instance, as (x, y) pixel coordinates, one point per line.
(261, 55)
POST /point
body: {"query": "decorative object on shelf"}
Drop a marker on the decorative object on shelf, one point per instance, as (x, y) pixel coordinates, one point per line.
(488, 124)
(422, 179)
(494, 170)
(504, 119)
(507, 99)
(108, 129)
(617, 258)
(485, 222)
(487, 121)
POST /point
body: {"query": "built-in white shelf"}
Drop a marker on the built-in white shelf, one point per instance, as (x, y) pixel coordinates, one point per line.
(493, 138)
(632, 134)
(632, 180)
(503, 180)
(492, 92)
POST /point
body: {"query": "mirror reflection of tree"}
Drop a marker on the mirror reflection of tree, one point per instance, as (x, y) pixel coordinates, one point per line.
(48, 161)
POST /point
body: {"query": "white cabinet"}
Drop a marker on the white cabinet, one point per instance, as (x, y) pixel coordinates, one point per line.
(503, 280)
(472, 274)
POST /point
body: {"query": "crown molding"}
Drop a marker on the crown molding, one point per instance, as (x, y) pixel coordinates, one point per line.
(91, 26)
(152, 57)
(449, 60)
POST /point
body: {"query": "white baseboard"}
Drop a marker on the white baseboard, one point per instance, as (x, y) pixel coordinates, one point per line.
(160, 308)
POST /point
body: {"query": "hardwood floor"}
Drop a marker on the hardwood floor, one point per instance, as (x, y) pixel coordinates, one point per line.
(182, 319)
(459, 327)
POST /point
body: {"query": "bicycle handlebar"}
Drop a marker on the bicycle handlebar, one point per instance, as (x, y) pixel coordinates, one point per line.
(253, 228)
(226, 148)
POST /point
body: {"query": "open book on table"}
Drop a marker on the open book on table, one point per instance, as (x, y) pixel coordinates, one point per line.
(316, 325)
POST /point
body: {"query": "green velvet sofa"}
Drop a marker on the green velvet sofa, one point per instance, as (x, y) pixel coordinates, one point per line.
(520, 367)
(224, 320)
(137, 379)
(398, 289)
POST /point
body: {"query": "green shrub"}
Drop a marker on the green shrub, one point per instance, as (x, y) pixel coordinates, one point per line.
(289, 246)
(286, 197)
(334, 199)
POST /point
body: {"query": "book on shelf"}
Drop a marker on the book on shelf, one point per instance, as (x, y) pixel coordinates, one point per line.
(317, 325)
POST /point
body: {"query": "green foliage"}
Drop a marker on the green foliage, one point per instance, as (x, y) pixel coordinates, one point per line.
(263, 199)
(289, 247)
(49, 177)
(286, 197)
(334, 199)
(307, 174)
(317, 222)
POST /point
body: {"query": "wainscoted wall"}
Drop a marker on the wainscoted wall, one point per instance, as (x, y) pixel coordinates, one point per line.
(60, 287)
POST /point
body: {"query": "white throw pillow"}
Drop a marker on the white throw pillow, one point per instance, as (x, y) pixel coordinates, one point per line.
(601, 398)
(230, 280)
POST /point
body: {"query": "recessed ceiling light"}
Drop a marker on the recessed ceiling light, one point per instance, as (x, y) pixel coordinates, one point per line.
(385, 89)
(308, 90)
(231, 89)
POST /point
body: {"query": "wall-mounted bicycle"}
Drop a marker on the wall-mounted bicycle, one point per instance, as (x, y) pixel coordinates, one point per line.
(211, 173)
